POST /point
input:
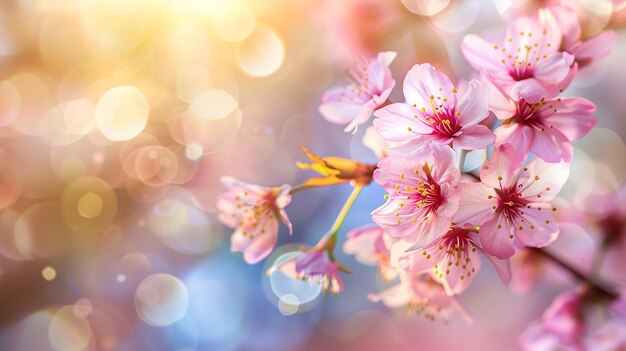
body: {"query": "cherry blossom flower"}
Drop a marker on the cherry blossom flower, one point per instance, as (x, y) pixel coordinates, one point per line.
(423, 195)
(315, 265)
(370, 245)
(421, 295)
(432, 113)
(254, 212)
(511, 203)
(353, 104)
(585, 49)
(453, 260)
(528, 64)
(562, 325)
(546, 128)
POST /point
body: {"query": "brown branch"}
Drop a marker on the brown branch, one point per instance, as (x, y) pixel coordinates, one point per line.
(593, 284)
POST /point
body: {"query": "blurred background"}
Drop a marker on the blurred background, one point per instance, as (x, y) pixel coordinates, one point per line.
(117, 119)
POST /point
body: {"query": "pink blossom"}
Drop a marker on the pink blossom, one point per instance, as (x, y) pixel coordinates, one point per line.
(432, 113)
(353, 104)
(511, 203)
(254, 212)
(370, 245)
(610, 336)
(452, 260)
(423, 195)
(355, 27)
(562, 325)
(546, 128)
(315, 265)
(586, 50)
(527, 64)
(421, 295)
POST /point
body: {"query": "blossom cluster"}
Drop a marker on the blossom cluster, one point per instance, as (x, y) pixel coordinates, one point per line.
(438, 219)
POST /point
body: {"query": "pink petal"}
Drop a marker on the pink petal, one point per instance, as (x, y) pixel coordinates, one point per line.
(475, 137)
(424, 80)
(552, 146)
(496, 241)
(519, 136)
(451, 193)
(474, 105)
(503, 167)
(540, 176)
(461, 276)
(574, 117)
(432, 229)
(416, 261)
(554, 68)
(544, 228)
(400, 225)
(397, 123)
(381, 72)
(481, 55)
(399, 295)
(340, 112)
(444, 169)
(419, 148)
(475, 205)
(361, 243)
(391, 171)
(597, 47)
(569, 23)
(503, 268)
(531, 90)
(499, 103)
(261, 244)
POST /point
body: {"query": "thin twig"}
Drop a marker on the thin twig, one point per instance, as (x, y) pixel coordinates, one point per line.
(598, 287)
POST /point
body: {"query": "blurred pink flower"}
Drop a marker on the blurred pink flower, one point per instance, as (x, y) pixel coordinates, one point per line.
(528, 64)
(562, 325)
(315, 265)
(432, 114)
(370, 245)
(361, 26)
(353, 104)
(453, 260)
(510, 204)
(610, 336)
(546, 128)
(421, 295)
(585, 49)
(423, 195)
(254, 212)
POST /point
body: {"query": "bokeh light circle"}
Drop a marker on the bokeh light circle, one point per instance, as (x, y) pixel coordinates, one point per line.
(262, 53)
(214, 104)
(40, 231)
(161, 299)
(88, 205)
(69, 332)
(122, 113)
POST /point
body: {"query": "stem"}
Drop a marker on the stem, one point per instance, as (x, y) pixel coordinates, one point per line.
(298, 188)
(345, 209)
(462, 156)
(577, 274)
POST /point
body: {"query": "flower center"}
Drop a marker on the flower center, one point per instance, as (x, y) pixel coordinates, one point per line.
(444, 120)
